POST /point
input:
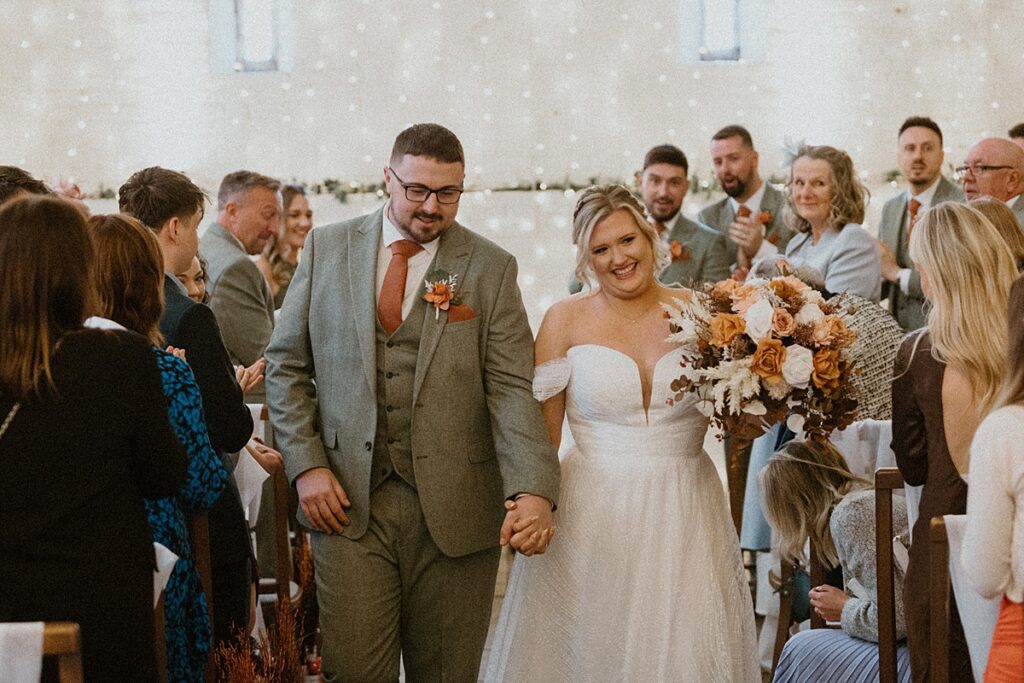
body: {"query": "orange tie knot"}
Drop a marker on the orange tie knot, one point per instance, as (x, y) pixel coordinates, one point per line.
(405, 248)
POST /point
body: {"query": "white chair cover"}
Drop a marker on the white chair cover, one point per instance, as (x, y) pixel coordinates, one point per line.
(21, 651)
(165, 561)
(256, 409)
(978, 614)
(249, 478)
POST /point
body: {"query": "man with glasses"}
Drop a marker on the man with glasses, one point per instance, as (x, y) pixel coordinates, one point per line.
(399, 378)
(919, 154)
(995, 168)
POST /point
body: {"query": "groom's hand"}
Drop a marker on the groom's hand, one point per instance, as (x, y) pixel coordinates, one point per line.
(322, 499)
(528, 526)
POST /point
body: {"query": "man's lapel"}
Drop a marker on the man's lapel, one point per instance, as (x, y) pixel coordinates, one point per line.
(452, 257)
(362, 281)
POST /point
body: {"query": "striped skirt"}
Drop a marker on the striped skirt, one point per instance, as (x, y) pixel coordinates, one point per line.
(824, 655)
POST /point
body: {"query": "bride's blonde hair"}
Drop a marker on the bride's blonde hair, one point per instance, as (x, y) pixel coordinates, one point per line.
(970, 269)
(800, 485)
(596, 203)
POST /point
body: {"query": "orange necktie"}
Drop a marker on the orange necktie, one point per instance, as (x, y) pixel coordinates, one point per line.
(659, 227)
(389, 306)
(914, 207)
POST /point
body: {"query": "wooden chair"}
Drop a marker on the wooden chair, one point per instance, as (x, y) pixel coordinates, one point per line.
(199, 536)
(787, 574)
(63, 640)
(938, 585)
(160, 639)
(887, 480)
(282, 585)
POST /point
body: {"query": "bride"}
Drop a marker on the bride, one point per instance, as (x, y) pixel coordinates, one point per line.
(645, 581)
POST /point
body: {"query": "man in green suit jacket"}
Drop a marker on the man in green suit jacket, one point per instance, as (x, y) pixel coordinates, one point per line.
(750, 215)
(920, 160)
(407, 423)
(699, 254)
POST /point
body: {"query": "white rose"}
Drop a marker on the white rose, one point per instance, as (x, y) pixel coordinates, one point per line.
(755, 408)
(809, 314)
(795, 423)
(759, 320)
(798, 366)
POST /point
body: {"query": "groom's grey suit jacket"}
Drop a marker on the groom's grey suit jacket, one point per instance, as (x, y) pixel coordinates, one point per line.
(477, 434)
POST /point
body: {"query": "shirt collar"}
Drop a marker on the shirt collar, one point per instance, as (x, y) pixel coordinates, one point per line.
(753, 203)
(171, 277)
(390, 235)
(927, 196)
(1012, 200)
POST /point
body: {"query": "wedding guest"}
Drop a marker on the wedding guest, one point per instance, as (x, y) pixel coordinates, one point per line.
(993, 552)
(698, 253)
(1016, 134)
(129, 281)
(195, 280)
(15, 182)
(750, 214)
(280, 256)
(83, 438)
(947, 376)
(172, 206)
(995, 168)
(1001, 216)
(825, 203)
(919, 154)
(810, 493)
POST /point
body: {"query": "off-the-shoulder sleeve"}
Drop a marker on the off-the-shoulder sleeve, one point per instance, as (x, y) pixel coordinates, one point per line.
(550, 378)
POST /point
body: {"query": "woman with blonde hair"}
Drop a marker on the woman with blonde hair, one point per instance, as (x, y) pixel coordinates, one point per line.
(993, 549)
(83, 438)
(280, 256)
(645, 580)
(825, 204)
(810, 494)
(129, 281)
(947, 377)
(1005, 221)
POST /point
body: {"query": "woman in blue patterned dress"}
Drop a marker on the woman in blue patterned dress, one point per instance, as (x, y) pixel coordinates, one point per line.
(129, 282)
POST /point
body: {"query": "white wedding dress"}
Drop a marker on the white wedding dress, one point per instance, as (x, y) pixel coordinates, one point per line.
(643, 580)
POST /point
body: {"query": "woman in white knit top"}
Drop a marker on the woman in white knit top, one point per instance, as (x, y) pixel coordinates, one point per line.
(993, 550)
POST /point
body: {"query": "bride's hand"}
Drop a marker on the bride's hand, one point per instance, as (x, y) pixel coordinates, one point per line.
(528, 526)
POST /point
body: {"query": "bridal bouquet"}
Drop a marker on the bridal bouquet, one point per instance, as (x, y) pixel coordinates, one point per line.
(759, 351)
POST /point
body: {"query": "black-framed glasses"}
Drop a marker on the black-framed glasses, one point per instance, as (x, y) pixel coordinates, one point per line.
(978, 169)
(420, 193)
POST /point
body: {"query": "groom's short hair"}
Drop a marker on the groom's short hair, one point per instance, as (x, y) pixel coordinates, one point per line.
(428, 140)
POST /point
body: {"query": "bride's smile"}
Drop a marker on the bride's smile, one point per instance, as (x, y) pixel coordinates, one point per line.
(621, 256)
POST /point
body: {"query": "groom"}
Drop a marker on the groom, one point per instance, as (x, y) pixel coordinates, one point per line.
(407, 425)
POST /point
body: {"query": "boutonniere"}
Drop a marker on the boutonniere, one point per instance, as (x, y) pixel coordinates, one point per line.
(765, 217)
(678, 251)
(439, 290)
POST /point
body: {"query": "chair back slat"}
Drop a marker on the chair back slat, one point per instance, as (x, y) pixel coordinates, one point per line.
(938, 585)
(199, 535)
(63, 639)
(786, 576)
(886, 480)
(160, 639)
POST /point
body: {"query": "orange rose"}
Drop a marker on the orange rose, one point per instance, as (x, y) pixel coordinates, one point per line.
(743, 297)
(832, 331)
(768, 360)
(783, 323)
(725, 327)
(725, 287)
(826, 370)
(440, 294)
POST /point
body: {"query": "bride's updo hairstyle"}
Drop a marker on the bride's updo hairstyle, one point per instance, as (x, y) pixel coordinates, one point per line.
(800, 485)
(969, 269)
(596, 203)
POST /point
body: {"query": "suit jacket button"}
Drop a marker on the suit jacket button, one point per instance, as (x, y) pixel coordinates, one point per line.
(389, 375)
(390, 344)
(389, 408)
(369, 446)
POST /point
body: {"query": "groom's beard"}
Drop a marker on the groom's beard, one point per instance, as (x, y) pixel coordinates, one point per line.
(419, 232)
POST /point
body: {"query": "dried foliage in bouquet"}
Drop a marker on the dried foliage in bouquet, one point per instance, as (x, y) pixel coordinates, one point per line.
(759, 351)
(275, 660)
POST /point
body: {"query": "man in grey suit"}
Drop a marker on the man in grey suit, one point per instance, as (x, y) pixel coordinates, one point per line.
(248, 213)
(995, 168)
(399, 379)
(920, 159)
(751, 213)
(699, 254)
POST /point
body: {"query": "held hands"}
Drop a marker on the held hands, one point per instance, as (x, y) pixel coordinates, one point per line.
(828, 602)
(322, 500)
(748, 232)
(250, 377)
(890, 268)
(528, 525)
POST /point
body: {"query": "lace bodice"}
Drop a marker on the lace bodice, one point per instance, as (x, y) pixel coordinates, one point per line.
(604, 402)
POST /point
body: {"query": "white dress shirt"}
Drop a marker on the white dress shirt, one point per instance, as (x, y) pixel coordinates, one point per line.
(754, 204)
(418, 263)
(926, 198)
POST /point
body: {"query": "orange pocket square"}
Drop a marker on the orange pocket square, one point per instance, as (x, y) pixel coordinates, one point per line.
(460, 312)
